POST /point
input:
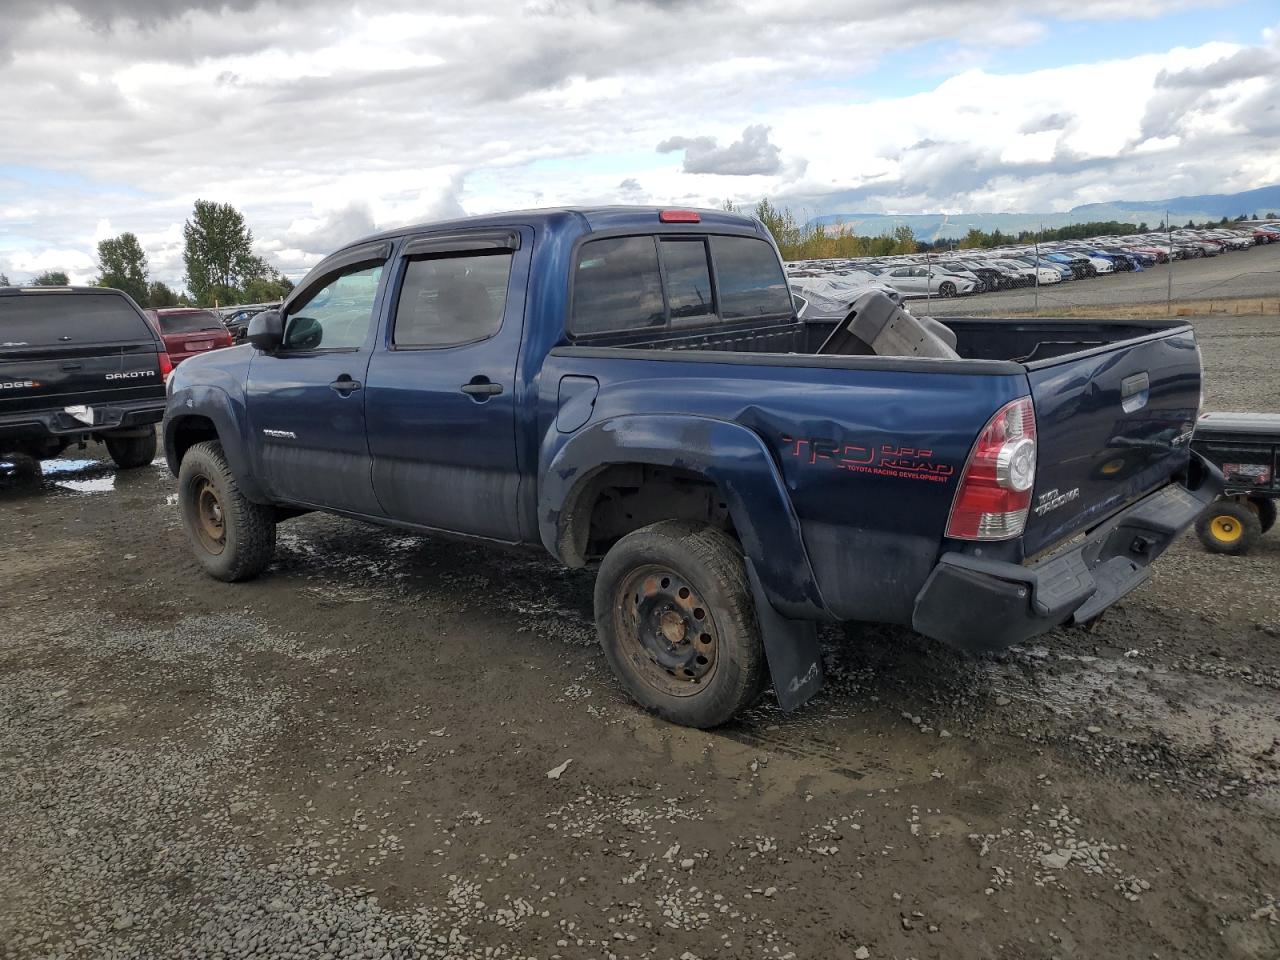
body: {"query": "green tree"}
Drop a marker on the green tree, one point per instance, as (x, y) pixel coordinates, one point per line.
(123, 265)
(904, 240)
(780, 223)
(1271, 215)
(50, 278)
(267, 289)
(160, 295)
(218, 253)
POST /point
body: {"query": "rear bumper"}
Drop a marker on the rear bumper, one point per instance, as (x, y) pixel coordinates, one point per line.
(980, 605)
(106, 417)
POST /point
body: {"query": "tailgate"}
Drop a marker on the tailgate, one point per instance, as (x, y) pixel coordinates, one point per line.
(1112, 425)
(61, 347)
(44, 379)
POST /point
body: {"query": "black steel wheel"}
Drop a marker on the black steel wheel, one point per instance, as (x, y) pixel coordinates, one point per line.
(232, 537)
(677, 624)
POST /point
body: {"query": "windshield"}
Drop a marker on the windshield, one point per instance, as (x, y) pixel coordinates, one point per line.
(189, 322)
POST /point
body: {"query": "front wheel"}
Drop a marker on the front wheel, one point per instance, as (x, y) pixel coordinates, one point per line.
(947, 290)
(233, 537)
(676, 620)
(129, 453)
(1228, 526)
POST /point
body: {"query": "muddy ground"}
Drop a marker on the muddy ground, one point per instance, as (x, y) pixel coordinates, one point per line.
(351, 757)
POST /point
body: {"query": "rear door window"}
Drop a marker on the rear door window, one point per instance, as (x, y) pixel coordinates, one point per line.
(617, 286)
(749, 278)
(54, 319)
(451, 300)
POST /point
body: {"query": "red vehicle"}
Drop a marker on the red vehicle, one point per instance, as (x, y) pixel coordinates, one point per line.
(187, 331)
(1266, 235)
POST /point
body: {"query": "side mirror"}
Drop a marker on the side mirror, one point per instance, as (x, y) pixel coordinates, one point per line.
(266, 329)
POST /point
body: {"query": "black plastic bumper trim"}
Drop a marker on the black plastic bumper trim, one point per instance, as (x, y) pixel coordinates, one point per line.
(979, 604)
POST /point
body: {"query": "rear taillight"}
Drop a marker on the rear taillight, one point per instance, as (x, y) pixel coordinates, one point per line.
(166, 365)
(995, 488)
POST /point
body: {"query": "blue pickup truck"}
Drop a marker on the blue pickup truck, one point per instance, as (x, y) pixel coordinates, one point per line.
(632, 386)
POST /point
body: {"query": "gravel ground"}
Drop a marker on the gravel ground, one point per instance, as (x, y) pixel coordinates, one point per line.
(395, 747)
(1241, 274)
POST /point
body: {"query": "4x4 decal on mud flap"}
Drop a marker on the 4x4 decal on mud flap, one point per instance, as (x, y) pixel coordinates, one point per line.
(887, 460)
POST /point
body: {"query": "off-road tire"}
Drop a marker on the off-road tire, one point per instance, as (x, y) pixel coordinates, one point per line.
(1228, 526)
(1265, 508)
(711, 563)
(129, 453)
(249, 528)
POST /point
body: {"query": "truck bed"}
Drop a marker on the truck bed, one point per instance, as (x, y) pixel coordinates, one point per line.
(978, 338)
(1114, 401)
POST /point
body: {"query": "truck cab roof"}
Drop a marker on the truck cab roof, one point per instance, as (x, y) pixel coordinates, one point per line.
(586, 219)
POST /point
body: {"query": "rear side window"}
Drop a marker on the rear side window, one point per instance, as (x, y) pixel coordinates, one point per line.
(688, 278)
(52, 319)
(189, 322)
(617, 286)
(750, 279)
(451, 300)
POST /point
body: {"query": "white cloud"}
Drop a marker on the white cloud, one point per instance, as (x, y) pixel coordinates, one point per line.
(325, 120)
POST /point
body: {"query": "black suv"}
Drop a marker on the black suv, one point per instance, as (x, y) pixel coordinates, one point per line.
(79, 363)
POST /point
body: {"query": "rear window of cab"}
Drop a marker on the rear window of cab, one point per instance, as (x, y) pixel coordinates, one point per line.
(653, 282)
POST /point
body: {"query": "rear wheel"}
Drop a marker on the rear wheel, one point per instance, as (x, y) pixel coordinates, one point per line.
(677, 623)
(1228, 526)
(1265, 508)
(948, 289)
(233, 537)
(132, 452)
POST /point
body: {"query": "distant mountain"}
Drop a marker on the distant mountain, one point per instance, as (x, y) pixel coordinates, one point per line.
(940, 226)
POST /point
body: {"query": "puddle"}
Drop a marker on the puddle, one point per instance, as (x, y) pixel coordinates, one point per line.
(53, 468)
(91, 485)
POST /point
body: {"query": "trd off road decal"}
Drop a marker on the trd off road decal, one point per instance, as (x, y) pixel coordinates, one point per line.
(887, 460)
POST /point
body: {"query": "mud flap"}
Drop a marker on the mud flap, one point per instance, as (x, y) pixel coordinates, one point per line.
(791, 646)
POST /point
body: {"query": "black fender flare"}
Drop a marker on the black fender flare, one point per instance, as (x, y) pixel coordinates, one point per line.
(229, 419)
(785, 590)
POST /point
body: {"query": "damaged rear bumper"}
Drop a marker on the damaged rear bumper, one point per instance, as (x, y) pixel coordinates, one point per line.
(980, 605)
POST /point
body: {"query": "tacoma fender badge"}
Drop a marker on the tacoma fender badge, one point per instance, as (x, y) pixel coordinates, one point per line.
(279, 434)
(1052, 500)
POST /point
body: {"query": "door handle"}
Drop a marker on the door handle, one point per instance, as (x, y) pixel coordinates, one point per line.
(344, 386)
(72, 365)
(482, 387)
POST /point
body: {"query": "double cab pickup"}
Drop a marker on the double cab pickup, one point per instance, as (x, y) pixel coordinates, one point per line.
(631, 387)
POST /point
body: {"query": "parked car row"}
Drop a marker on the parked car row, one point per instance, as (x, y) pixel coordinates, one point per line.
(236, 318)
(829, 285)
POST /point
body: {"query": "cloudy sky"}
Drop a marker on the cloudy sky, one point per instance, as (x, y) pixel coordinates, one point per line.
(325, 119)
